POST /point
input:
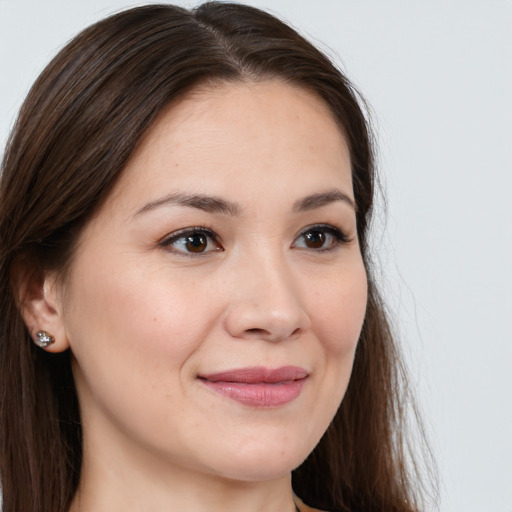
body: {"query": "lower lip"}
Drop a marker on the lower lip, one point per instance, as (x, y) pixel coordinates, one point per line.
(260, 394)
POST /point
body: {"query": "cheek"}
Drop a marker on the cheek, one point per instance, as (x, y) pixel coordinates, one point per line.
(340, 312)
(129, 309)
(131, 335)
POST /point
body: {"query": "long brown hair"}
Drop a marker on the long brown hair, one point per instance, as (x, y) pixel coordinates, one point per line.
(78, 127)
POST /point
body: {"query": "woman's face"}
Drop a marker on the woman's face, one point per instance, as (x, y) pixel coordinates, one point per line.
(215, 301)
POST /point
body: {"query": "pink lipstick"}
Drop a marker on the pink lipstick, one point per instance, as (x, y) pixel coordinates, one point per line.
(258, 386)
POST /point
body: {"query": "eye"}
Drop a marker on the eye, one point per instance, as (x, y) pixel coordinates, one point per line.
(192, 241)
(320, 238)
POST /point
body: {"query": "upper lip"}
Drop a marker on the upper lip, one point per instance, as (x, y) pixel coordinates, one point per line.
(258, 374)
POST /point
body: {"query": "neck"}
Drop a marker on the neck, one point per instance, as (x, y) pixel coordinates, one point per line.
(123, 482)
(197, 495)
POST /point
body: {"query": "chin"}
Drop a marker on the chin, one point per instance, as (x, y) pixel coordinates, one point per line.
(263, 462)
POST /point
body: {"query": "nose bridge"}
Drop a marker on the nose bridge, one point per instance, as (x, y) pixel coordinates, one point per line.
(267, 303)
(273, 280)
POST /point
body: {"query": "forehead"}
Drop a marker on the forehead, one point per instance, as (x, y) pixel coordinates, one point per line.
(218, 139)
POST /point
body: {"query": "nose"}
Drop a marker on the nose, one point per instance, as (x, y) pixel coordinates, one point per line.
(265, 302)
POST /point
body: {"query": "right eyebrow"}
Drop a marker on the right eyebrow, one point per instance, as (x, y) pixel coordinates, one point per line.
(210, 204)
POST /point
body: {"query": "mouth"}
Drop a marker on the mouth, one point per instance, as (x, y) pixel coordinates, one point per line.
(258, 386)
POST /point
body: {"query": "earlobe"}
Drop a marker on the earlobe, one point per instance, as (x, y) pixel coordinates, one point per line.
(44, 339)
(40, 305)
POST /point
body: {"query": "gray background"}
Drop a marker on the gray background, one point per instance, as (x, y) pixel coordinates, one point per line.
(438, 75)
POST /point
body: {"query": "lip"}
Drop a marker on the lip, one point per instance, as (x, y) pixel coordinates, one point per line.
(258, 386)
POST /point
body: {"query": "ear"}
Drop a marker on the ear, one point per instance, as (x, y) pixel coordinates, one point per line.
(39, 299)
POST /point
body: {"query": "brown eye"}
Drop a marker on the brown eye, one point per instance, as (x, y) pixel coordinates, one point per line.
(321, 237)
(196, 243)
(314, 239)
(193, 241)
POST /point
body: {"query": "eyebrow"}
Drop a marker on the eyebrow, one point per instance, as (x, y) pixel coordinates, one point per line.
(208, 204)
(322, 199)
(212, 204)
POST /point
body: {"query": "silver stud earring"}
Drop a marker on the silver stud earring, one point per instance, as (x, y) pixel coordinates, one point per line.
(44, 339)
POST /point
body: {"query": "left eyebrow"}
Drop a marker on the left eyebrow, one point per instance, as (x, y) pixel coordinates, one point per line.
(322, 199)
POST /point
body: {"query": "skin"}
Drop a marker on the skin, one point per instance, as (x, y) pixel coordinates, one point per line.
(144, 317)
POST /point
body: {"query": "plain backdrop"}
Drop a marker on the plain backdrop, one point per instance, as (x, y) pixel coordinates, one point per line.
(438, 75)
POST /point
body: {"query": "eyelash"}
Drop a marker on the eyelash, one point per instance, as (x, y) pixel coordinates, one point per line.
(339, 238)
(190, 232)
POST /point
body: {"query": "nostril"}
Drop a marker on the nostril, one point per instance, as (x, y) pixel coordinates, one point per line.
(251, 320)
(258, 332)
(263, 334)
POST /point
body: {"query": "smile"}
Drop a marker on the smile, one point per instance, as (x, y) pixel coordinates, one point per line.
(258, 386)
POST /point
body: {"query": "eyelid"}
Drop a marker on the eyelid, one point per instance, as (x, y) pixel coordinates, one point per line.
(167, 241)
(341, 236)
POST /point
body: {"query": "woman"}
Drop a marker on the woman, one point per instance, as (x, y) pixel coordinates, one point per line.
(184, 208)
